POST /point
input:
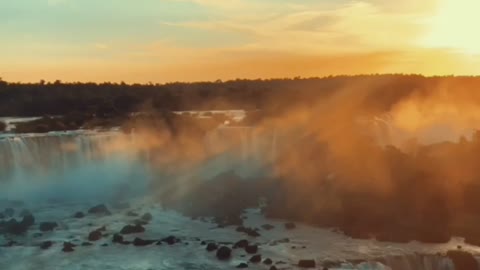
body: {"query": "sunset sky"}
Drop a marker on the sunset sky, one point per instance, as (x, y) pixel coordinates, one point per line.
(191, 40)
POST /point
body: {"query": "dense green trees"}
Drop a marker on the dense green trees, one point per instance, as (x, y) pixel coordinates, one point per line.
(106, 99)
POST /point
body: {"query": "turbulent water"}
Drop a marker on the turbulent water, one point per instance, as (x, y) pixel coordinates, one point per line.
(57, 174)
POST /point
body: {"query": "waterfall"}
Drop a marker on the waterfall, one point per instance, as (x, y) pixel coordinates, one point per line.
(75, 165)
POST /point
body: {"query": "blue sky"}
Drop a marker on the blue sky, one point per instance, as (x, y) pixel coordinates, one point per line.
(167, 40)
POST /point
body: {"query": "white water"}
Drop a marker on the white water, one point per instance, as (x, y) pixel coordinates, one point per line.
(74, 170)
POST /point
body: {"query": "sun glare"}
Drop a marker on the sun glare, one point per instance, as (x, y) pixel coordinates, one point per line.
(454, 26)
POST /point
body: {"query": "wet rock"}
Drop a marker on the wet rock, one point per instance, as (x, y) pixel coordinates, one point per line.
(147, 217)
(241, 244)
(462, 260)
(242, 265)
(68, 247)
(249, 231)
(138, 242)
(28, 220)
(13, 227)
(46, 245)
(171, 240)
(117, 238)
(307, 264)
(79, 215)
(48, 226)
(132, 214)
(211, 247)
(273, 267)
(87, 244)
(267, 261)
(256, 259)
(203, 243)
(251, 249)
(224, 253)
(105, 245)
(9, 212)
(130, 229)
(290, 225)
(100, 209)
(37, 235)
(268, 227)
(95, 235)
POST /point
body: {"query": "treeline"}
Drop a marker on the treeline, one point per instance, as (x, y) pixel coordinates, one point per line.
(106, 99)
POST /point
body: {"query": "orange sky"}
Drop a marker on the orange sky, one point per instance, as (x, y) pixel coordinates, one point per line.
(191, 40)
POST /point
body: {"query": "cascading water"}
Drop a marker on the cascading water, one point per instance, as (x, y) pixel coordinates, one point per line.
(88, 166)
(66, 166)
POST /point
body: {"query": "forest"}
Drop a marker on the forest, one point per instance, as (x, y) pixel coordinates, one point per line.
(103, 99)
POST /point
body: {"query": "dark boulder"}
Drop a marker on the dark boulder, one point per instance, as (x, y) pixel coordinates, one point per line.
(171, 240)
(462, 260)
(147, 217)
(68, 247)
(224, 253)
(13, 227)
(95, 235)
(48, 226)
(100, 209)
(28, 220)
(256, 258)
(132, 214)
(273, 267)
(79, 215)
(46, 245)
(241, 244)
(249, 231)
(242, 265)
(290, 226)
(268, 227)
(138, 242)
(307, 264)
(251, 249)
(117, 238)
(211, 247)
(267, 261)
(130, 229)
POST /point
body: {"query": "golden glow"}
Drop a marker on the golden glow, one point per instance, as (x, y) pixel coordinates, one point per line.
(455, 26)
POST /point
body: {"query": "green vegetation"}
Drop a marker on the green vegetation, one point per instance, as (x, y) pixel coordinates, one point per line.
(113, 99)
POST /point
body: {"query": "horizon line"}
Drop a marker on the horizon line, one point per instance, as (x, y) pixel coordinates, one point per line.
(150, 83)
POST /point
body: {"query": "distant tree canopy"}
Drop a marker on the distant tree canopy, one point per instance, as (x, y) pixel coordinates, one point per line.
(106, 99)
